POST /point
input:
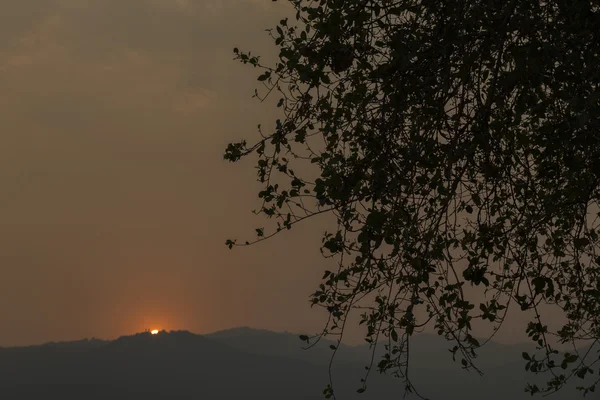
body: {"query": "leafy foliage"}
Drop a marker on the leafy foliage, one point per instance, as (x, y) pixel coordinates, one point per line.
(457, 144)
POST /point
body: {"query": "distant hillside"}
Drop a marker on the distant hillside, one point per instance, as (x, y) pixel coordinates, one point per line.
(238, 364)
(259, 341)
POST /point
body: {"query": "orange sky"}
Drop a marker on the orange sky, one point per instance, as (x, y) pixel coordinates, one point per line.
(115, 200)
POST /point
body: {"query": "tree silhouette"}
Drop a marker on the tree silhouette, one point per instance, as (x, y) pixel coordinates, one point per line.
(457, 144)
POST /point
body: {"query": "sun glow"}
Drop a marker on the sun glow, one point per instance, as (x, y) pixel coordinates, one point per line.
(154, 331)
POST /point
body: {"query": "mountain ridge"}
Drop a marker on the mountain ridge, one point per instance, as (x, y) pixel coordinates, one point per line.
(232, 364)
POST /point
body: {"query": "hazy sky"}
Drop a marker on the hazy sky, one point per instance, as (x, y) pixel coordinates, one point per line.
(115, 201)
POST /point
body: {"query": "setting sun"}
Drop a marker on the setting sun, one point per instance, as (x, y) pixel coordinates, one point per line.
(154, 331)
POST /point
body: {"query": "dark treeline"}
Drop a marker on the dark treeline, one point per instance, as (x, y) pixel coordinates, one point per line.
(243, 364)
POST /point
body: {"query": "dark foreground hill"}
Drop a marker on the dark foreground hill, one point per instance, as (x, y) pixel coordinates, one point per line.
(240, 364)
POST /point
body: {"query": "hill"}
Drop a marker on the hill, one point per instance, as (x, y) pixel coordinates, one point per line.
(242, 363)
